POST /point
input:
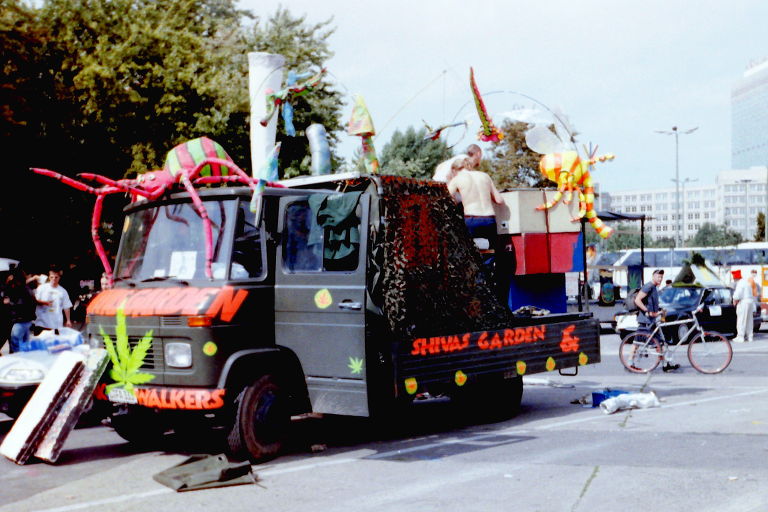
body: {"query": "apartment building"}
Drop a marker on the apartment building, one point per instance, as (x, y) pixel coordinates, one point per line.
(735, 199)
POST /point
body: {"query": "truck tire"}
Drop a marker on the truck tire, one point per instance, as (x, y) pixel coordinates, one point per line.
(261, 421)
(139, 426)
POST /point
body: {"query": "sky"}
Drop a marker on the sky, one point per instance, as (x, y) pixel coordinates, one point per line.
(618, 69)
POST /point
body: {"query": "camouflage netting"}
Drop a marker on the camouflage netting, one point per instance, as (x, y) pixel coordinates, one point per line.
(429, 270)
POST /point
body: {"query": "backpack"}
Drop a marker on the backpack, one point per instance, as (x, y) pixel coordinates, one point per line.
(629, 302)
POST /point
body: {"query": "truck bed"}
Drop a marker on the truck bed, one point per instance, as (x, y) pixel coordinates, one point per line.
(528, 345)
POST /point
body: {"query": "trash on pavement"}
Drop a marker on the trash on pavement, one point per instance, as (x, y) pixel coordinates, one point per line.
(599, 396)
(630, 401)
(206, 472)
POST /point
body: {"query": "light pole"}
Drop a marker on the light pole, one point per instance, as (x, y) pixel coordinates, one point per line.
(675, 132)
(682, 185)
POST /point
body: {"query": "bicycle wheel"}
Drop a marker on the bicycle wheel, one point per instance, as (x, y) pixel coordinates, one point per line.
(639, 353)
(710, 352)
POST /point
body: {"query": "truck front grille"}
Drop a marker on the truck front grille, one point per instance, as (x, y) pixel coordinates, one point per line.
(155, 358)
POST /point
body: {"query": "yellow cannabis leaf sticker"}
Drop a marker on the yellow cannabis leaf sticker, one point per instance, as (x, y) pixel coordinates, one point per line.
(411, 385)
(323, 298)
(126, 362)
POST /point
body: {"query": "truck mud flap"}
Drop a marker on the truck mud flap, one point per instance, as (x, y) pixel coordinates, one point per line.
(457, 359)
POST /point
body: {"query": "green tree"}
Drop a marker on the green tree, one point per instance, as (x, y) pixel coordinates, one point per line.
(664, 241)
(511, 163)
(710, 235)
(109, 86)
(142, 75)
(408, 154)
(760, 228)
(625, 236)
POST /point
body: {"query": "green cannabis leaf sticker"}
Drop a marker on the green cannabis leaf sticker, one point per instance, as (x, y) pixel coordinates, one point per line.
(356, 365)
(126, 363)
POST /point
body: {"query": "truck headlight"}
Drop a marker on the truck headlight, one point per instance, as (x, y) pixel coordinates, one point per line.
(178, 355)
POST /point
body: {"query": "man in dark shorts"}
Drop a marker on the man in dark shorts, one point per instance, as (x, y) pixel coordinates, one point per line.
(647, 301)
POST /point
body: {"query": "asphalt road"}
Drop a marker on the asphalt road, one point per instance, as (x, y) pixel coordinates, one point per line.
(703, 449)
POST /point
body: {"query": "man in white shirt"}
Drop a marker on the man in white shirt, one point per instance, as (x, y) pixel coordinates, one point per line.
(744, 301)
(53, 300)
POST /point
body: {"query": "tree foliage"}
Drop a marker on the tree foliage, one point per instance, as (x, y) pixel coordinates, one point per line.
(711, 235)
(512, 163)
(109, 86)
(408, 154)
(760, 227)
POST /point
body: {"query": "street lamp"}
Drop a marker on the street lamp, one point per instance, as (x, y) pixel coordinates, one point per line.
(682, 185)
(675, 132)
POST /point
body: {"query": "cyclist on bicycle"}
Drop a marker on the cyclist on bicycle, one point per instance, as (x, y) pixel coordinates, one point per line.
(647, 301)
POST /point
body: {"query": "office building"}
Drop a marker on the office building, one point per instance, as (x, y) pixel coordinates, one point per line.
(749, 117)
(734, 200)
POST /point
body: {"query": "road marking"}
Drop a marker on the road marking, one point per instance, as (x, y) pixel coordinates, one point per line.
(105, 501)
(304, 467)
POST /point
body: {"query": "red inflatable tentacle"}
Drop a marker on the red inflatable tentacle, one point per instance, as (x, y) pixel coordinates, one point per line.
(95, 224)
(227, 163)
(66, 180)
(120, 185)
(206, 224)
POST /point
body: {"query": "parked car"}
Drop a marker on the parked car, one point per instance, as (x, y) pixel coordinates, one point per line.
(22, 372)
(719, 313)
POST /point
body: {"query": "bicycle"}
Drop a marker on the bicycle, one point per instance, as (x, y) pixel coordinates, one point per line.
(708, 352)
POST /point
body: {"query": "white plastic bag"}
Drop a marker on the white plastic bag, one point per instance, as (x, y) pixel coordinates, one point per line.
(630, 401)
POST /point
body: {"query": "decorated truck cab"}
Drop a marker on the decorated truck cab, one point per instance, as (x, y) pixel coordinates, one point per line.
(340, 294)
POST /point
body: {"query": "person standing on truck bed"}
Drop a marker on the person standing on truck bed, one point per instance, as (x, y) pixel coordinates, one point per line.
(470, 159)
(478, 193)
(647, 302)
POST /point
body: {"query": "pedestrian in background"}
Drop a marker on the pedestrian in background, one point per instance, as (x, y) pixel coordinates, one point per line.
(744, 300)
(53, 300)
(20, 301)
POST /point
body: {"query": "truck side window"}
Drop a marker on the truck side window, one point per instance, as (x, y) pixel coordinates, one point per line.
(246, 247)
(327, 244)
(303, 240)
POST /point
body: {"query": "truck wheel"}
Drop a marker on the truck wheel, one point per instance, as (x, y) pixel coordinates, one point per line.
(261, 421)
(139, 426)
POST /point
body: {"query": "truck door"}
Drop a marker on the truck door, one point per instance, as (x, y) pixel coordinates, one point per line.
(320, 297)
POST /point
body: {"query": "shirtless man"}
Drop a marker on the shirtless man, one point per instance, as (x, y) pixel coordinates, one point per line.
(478, 193)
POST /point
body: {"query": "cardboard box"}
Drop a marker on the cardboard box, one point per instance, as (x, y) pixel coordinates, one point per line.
(518, 214)
(545, 253)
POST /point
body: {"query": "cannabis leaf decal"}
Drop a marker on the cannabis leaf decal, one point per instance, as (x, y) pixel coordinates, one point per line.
(126, 363)
(356, 365)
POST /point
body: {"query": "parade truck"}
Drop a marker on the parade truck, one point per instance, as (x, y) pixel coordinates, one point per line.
(341, 294)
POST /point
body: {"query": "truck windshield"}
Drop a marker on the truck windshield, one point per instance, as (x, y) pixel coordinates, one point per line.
(168, 242)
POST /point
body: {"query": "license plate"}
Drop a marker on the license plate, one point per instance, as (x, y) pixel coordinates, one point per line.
(121, 396)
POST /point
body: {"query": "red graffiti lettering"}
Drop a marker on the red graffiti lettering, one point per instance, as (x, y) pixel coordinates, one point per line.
(227, 302)
(482, 341)
(569, 343)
